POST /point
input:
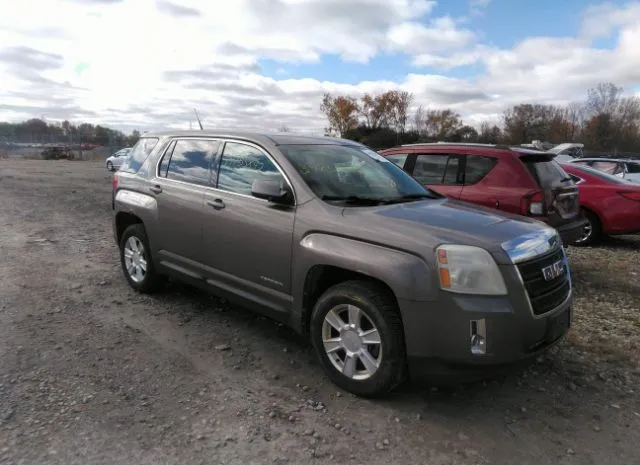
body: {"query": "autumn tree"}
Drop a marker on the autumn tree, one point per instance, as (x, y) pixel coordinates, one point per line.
(341, 111)
(526, 122)
(400, 102)
(613, 120)
(377, 110)
(489, 133)
(442, 125)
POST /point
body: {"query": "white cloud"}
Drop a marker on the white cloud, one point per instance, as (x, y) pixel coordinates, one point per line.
(148, 63)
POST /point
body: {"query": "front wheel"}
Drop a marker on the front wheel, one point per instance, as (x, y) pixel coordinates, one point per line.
(135, 259)
(110, 166)
(357, 334)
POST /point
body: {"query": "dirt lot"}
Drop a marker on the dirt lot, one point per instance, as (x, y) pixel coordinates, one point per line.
(93, 373)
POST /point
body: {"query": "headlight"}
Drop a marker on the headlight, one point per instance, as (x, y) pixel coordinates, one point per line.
(466, 269)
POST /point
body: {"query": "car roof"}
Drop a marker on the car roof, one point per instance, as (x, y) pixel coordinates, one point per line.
(258, 137)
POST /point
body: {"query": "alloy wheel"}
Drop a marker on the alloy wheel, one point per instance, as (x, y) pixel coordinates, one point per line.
(135, 259)
(352, 342)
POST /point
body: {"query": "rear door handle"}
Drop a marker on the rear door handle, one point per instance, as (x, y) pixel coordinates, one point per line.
(218, 204)
(155, 189)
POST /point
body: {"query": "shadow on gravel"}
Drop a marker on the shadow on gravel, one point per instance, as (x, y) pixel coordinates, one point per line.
(621, 242)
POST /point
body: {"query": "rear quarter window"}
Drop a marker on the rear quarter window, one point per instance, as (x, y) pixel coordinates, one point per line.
(139, 154)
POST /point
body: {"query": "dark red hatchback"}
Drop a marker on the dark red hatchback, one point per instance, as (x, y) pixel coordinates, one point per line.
(512, 179)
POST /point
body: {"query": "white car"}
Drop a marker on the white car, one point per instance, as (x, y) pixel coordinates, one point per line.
(115, 161)
(628, 169)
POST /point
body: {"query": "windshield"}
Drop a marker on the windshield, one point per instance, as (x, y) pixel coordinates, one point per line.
(340, 172)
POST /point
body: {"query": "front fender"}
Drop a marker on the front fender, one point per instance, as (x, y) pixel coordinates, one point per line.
(409, 276)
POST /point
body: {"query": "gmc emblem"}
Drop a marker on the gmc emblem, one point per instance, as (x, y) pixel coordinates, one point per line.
(553, 271)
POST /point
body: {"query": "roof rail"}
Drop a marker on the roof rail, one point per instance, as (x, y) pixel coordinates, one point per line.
(463, 144)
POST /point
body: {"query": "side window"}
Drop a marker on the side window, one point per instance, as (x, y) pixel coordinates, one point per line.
(398, 158)
(190, 161)
(436, 169)
(242, 164)
(477, 168)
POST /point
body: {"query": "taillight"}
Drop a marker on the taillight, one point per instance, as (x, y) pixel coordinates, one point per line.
(532, 204)
(114, 182)
(631, 195)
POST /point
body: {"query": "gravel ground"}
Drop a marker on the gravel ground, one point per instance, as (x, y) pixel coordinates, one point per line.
(93, 373)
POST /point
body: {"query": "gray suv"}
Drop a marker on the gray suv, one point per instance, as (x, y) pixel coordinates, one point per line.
(386, 278)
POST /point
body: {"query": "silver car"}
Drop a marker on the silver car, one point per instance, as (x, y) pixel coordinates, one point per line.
(115, 161)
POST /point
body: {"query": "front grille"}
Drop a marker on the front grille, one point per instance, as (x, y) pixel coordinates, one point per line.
(544, 295)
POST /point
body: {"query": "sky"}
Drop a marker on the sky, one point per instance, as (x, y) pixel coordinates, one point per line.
(261, 64)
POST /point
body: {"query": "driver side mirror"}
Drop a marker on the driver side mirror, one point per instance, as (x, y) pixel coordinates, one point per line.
(272, 190)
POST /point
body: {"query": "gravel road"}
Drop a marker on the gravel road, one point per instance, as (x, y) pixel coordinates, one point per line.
(93, 373)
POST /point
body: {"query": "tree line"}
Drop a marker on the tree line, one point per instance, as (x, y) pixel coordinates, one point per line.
(38, 131)
(606, 121)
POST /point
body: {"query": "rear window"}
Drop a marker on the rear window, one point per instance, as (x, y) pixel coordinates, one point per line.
(139, 153)
(546, 171)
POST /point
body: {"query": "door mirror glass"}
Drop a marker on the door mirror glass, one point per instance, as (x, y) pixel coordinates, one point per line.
(270, 189)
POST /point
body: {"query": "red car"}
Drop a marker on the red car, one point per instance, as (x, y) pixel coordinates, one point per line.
(512, 179)
(611, 204)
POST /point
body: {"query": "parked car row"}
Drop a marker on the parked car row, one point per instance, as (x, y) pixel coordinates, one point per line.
(516, 180)
(389, 275)
(583, 205)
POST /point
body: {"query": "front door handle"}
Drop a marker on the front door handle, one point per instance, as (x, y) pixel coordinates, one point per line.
(218, 204)
(155, 189)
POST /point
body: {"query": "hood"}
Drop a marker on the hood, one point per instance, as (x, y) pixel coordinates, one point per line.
(433, 222)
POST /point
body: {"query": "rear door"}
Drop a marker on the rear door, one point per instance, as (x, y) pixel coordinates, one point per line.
(438, 171)
(476, 188)
(560, 193)
(183, 175)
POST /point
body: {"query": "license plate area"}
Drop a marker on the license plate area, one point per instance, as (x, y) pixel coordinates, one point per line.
(558, 325)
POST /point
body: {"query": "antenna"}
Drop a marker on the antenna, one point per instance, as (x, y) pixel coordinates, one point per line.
(198, 118)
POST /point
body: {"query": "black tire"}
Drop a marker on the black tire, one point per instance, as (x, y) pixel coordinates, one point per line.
(110, 166)
(151, 280)
(596, 230)
(381, 309)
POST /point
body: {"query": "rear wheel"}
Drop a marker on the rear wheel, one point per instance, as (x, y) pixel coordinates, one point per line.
(136, 261)
(592, 231)
(357, 334)
(110, 166)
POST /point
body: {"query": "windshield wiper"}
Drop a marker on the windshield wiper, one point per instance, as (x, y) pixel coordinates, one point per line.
(410, 197)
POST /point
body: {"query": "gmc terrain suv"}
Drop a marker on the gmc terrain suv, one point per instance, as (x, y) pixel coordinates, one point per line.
(384, 276)
(516, 180)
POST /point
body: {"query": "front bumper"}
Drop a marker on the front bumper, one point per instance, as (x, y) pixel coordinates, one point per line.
(438, 334)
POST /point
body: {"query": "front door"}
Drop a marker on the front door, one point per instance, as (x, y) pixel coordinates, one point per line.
(247, 240)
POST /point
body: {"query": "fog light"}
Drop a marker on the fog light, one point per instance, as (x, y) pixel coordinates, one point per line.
(478, 337)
